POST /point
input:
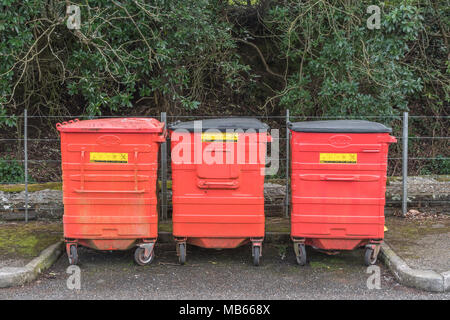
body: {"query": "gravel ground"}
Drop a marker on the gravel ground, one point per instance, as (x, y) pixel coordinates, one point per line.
(17, 262)
(216, 274)
(420, 185)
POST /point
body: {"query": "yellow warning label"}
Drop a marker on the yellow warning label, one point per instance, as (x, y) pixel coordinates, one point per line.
(338, 158)
(108, 157)
(219, 136)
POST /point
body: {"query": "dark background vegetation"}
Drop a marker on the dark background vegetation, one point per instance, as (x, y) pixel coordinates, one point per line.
(223, 57)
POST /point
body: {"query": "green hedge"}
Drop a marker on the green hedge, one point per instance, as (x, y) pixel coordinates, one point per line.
(314, 57)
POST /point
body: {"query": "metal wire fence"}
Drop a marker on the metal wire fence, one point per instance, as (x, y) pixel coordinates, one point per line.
(45, 161)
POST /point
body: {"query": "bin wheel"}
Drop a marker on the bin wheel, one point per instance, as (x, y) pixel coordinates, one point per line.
(301, 258)
(73, 255)
(370, 258)
(182, 253)
(141, 259)
(256, 254)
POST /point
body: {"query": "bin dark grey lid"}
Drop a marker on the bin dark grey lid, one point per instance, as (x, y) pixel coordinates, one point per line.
(347, 126)
(222, 124)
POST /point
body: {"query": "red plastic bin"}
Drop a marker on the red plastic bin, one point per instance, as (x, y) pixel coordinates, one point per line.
(338, 184)
(218, 203)
(109, 170)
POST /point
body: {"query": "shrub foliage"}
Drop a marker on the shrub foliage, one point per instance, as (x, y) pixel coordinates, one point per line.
(314, 57)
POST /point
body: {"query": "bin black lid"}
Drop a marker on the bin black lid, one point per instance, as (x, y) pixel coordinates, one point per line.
(222, 124)
(345, 126)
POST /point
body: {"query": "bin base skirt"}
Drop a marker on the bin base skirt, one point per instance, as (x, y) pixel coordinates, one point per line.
(108, 244)
(337, 244)
(218, 243)
(218, 235)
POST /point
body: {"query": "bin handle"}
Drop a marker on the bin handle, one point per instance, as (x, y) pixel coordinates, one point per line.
(108, 191)
(354, 178)
(218, 184)
(59, 125)
(388, 139)
(392, 139)
(162, 138)
(338, 177)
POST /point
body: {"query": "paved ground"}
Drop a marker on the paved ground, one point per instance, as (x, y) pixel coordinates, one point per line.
(16, 262)
(212, 274)
(423, 242)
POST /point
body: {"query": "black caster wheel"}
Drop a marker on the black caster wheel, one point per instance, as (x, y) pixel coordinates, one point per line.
(256, 255)
(182, 253)
(370, 258)
(301, 257)
(73, 255)
(141, 259)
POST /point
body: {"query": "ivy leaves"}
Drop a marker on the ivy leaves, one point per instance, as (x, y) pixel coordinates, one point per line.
(338, 66)
(171, 52)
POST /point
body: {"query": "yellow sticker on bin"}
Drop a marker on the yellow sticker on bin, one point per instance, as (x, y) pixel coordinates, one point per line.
(219, 136)
(108, 157)
(338, 158)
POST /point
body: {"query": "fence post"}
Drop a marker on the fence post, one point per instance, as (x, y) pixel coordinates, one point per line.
(287, 165)
(405, 164)
(25, 149)
(164, 172)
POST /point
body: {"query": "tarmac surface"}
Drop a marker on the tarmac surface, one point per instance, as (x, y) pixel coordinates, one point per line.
(217, 274)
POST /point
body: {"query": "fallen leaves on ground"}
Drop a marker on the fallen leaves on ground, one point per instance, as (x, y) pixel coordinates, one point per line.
(426, 215)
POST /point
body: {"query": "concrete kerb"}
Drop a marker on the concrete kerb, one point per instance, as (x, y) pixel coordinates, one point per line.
(446, 276)
(421, 279)
(17, 276)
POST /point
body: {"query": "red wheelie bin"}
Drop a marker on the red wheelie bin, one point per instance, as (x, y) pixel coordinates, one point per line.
(338, 184)
(109, 171)
(218, 183)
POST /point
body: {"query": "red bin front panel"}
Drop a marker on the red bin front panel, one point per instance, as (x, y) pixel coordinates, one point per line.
(338, 183)
(218, 201)
(109, 184)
